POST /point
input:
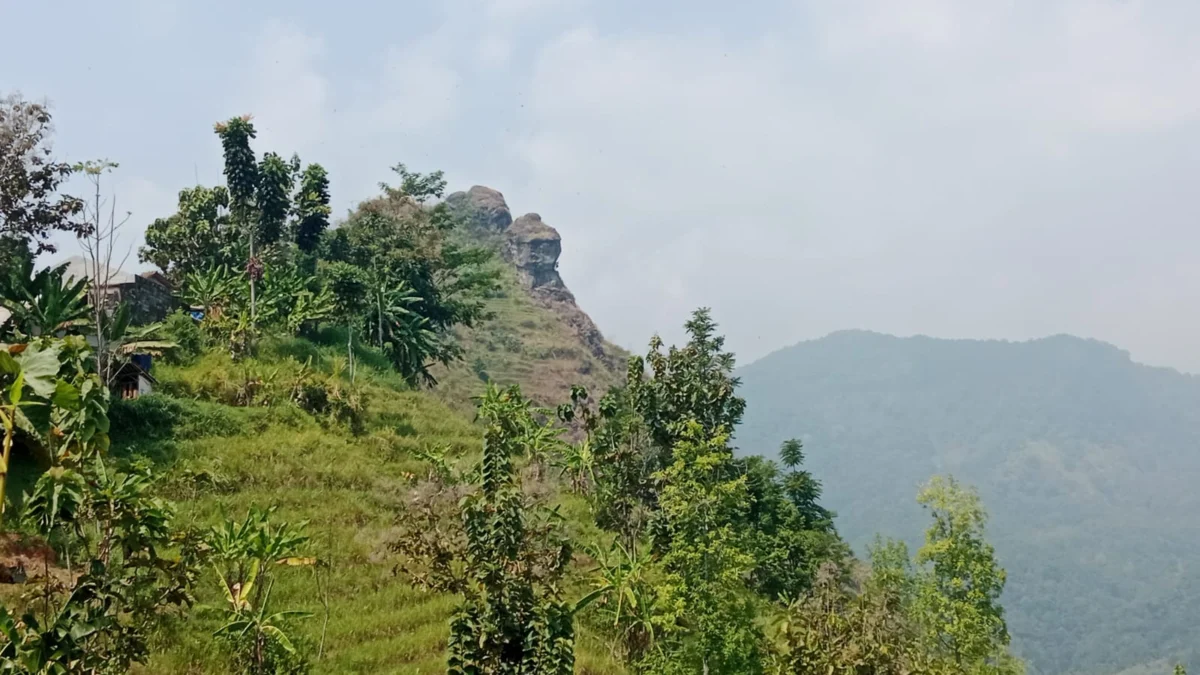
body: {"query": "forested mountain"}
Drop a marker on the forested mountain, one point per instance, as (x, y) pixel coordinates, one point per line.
(1088, 460)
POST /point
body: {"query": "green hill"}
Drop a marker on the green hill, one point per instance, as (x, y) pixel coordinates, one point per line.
(228, 440)
(1087, 461)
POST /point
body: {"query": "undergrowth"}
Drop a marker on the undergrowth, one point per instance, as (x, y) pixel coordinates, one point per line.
(230, 436)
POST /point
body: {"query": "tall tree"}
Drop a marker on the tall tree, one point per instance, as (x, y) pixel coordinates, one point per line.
(31, 207)
(274, 197)
(960, 596)
(242, 181)
(690, 383)
(99, 246)
(312, 208)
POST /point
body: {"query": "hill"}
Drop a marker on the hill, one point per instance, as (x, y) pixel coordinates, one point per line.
(1087, 461)
(536, 335)
(228, 439)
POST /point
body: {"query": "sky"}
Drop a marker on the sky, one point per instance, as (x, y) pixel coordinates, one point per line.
(1005, 169)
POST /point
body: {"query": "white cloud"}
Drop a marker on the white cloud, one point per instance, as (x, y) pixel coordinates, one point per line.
(285, 90)
(950, 168)
(419, 88)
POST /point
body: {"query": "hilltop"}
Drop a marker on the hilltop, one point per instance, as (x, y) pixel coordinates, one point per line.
(536, 336)
(1087, 460)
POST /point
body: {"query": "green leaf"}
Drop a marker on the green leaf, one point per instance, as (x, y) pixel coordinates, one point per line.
(66, 395)
(280, 637)
(17, 388)
(40, 365)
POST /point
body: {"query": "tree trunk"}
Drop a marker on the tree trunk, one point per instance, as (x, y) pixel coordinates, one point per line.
(8, 439)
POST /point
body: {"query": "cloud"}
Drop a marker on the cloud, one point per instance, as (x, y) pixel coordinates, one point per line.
(955, 168)
(419, 88)
(285, 89)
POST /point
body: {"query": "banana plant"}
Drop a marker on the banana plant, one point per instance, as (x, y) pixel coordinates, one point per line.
(629, 597)
(250, 619)
(121, 340)
(242, 555)
(44, 303)
(28, 382)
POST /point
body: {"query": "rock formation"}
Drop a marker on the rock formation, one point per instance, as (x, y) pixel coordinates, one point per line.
(483, 207)
(533, 248)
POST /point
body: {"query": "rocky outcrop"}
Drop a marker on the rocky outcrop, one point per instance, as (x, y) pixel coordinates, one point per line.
(533, 248)
(483, 208)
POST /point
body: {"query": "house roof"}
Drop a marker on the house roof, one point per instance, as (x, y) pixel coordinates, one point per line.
(79, 268)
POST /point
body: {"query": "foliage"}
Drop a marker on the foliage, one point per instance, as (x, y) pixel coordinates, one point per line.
(31, 207)
(43, 302)
(135, 573)
(311, 205)
(274, 197)
(961, 595)
(507, 566)
(694, 383)
(791, 534)
(707, 617)
(243, 554)
(181, 329)
(1082, 454)
(199, 235)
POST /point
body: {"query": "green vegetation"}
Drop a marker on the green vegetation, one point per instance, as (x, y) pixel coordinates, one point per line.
(293, 500)
(1085, 458)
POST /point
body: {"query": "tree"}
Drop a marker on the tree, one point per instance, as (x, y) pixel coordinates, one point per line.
(98, 248)
(348, 285)
(135, 571)
(30, 206)
(242, 179)
(694, 383)
(708, 617)
(274, 197)
(507, 561)
(200, 235)
(960, 595)
(311, 208)
(404, 244)
(791, 534)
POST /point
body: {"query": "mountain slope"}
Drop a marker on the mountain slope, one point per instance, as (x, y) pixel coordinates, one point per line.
(537, 336)
(1087, 461)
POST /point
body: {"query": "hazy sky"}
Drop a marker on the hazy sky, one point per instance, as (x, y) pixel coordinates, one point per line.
(1009, 168)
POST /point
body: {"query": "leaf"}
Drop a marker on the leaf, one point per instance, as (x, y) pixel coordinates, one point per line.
(280, 637)
(40, 365)
(17, 388)
(296, 562)
(588, 599)
(66, 395)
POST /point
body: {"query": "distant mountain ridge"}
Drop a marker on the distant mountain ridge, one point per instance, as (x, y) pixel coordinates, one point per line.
(1087, 461)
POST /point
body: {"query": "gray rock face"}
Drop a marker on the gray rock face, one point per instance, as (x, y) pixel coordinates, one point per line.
(533, 248)
(483, 207)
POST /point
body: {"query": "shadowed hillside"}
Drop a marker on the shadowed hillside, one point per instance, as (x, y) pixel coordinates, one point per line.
(1088, 460)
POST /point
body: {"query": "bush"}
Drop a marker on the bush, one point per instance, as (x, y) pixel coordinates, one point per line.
(180, 328)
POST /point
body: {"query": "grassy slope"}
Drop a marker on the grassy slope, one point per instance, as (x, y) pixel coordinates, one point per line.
(528, 344)
(222, 460)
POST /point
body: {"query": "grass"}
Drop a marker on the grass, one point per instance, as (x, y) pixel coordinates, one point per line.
(221, 460)
(529, 344)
